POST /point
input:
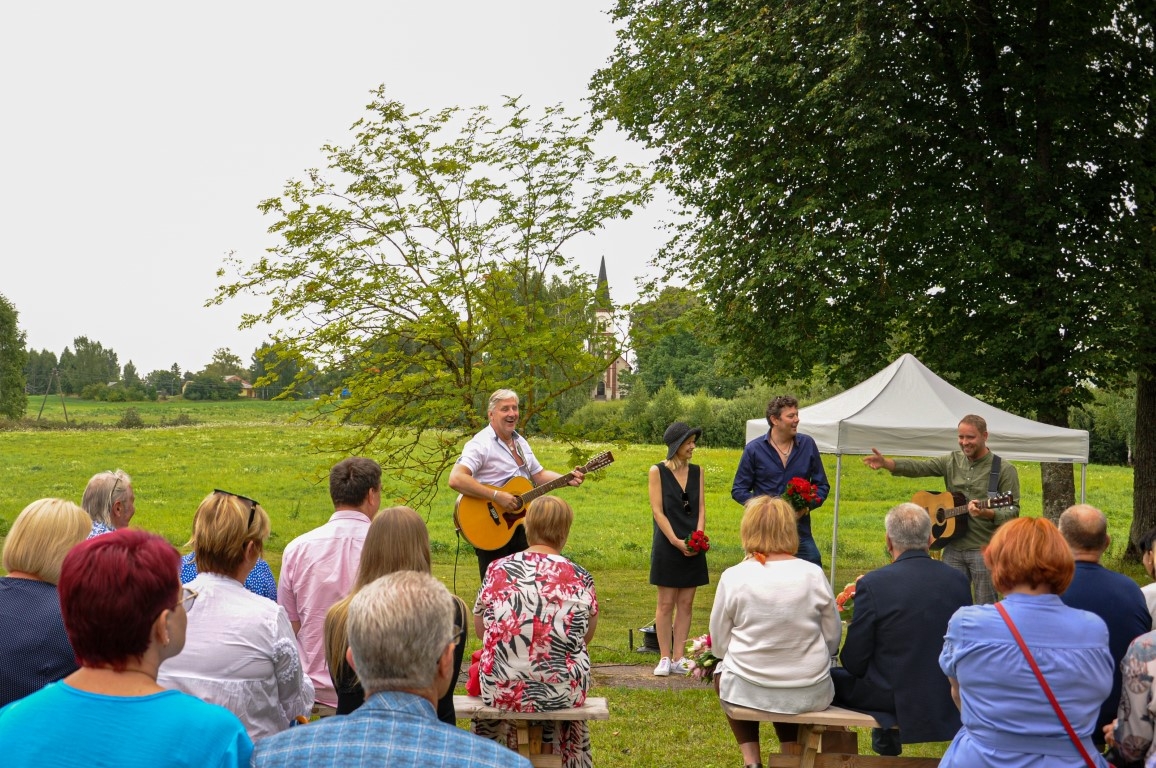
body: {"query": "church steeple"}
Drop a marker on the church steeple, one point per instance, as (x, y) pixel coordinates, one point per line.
(602, 291)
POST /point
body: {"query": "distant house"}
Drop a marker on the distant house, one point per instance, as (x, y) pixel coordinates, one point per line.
(607, 387)
(246, 387)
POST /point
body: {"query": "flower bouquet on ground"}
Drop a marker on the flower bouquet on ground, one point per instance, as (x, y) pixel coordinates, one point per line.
(702, 660)
(802, 494)
(845, 600)
(697, 542)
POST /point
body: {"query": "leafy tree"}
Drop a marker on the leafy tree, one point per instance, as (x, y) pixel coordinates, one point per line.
(89, 363)
(673, 337)
(272, 373)
(13, 358)
(665, 407)
(420, 260)
(164, 382)
(955, 175)
(130, 377)
(38, 371)
(203, 386)
(225, 364)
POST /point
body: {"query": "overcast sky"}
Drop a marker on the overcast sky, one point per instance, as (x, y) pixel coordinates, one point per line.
(138, 137)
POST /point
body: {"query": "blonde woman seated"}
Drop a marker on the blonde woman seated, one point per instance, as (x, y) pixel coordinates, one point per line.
(397, 540)
(33, 642)
(535, 613)
(240, 651)
(775, 626)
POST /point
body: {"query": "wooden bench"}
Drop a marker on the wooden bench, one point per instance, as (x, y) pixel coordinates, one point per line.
(825, 742)
(529, 723)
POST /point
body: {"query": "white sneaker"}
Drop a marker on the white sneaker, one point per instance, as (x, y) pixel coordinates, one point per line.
(680, 667)
(663, 668)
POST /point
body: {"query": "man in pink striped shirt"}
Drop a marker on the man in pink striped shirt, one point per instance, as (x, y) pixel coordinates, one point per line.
(319, 567)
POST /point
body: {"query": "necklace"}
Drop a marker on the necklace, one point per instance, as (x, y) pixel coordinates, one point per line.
(783, 453)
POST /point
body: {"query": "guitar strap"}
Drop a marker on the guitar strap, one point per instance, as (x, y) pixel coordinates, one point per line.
(993, 478)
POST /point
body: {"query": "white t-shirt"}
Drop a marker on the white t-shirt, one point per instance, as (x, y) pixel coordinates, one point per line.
(492, 463)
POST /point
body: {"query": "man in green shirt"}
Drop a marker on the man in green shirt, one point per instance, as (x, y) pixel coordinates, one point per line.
(966, 471)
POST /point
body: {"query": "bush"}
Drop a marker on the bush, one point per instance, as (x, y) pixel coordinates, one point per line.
(601, 422)
(131, 420)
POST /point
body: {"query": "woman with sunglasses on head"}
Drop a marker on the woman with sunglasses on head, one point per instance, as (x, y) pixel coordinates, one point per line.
(397, 541)
(678, 508)
(109, 500)
(260, 580)
(126, 613)
(241, 652)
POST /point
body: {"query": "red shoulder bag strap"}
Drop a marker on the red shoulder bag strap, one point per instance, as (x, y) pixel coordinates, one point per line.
(1044, 684)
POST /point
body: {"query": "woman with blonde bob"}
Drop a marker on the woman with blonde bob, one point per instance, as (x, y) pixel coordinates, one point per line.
(397, 540)
(535, 613)
(32, 637)
(240, 652)
(1007, 719)
(775, 626)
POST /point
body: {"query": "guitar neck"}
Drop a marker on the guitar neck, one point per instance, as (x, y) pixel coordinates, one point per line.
(545, 488)
(957, 511)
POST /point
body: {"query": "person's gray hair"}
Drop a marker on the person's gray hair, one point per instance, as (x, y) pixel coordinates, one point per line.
(1085, 528)
(102, 491)
(908, 526)
(399, 626)
(499, 396)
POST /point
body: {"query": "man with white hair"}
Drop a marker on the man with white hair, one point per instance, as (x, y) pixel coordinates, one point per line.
(401, 644)
(891, 654)
(491, 459)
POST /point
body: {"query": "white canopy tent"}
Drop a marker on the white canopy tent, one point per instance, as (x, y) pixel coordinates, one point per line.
(907, 410)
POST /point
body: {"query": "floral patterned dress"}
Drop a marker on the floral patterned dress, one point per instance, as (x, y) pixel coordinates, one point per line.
(537, 608)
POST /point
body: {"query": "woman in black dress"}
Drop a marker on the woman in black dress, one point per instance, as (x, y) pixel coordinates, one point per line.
(676, 501)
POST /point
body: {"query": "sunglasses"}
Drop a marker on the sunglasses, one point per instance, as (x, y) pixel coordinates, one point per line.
(685, 502)
(188, 597)
(112, 492)
(252, 503)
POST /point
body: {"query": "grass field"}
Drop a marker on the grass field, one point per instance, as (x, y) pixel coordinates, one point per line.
(259, 450)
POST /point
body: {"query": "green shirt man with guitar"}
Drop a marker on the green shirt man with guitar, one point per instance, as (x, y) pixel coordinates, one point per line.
(982, 494)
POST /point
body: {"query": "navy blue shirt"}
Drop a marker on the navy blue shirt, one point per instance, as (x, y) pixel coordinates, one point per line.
(33, 642)
(761, 473)
(1117, 600)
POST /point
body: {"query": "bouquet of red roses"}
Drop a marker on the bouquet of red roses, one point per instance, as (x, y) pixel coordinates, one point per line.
(802, 494)
(697, 542)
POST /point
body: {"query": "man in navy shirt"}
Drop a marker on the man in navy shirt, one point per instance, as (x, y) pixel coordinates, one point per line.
(1112, 596)
(770, 462)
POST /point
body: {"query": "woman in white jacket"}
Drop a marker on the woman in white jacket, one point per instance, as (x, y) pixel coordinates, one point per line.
(775, 626)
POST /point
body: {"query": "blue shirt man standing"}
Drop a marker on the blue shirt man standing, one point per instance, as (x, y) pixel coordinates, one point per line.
(769, 463)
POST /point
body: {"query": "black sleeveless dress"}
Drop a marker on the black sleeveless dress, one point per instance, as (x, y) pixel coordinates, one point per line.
(668, 566)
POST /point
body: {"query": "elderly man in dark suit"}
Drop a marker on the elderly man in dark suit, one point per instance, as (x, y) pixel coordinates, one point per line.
(891, 654)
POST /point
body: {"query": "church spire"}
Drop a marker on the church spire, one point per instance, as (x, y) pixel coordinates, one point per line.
(602, 292)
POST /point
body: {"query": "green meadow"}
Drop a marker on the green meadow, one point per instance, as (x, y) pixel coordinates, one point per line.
(259, 449)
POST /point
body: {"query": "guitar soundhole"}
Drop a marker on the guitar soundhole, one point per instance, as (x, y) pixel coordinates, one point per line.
(939, 517)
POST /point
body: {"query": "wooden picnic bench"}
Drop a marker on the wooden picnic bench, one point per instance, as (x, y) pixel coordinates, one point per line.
(825, 742)
(529, 723)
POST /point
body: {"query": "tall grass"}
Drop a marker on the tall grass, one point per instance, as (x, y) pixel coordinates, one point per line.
(259, 450)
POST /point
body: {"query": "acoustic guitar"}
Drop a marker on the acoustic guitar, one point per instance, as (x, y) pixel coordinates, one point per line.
(487, 526)
(949, 513)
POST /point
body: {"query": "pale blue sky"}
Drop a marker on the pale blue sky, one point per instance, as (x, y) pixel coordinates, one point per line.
(138, 137)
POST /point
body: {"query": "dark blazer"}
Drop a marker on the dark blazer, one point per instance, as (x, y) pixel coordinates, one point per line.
(894, 639)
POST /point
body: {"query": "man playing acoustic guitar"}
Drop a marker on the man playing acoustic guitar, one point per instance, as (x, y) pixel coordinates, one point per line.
(494, 456)
(966, 471)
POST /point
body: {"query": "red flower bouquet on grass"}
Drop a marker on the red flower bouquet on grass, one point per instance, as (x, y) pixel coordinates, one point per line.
(802, 494)
(702, 659)
(845, 600)
(697, 542)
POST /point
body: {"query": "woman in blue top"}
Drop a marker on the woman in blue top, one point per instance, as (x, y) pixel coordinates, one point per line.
(125, 613)
(1007, 719)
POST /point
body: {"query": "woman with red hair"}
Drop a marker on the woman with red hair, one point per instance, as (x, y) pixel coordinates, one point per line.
(1008, 720)
(125, 613)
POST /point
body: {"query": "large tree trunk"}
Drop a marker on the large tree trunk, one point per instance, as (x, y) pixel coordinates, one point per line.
(1144, 456)
(1059, 488)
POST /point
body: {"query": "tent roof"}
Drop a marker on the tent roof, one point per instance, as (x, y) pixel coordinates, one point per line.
(907, 410)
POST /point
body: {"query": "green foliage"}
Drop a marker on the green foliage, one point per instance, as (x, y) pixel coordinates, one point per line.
(130, 420)
(38, 371)
(1111, 423)
(167, 383)
(426, 263)
(208, 387)
(855, 175)
(13, 359)
(225, 364)
(86, 364)
(665, 407)
(601, 421)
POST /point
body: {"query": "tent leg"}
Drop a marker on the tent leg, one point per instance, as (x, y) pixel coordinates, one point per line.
(1083, 483)
(835, 521)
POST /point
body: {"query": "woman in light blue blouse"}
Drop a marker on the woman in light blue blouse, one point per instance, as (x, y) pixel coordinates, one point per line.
(1007, 719)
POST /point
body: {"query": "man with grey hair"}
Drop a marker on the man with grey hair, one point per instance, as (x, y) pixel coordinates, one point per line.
(401, 644)
(491, 459)
(109, 500)
(891, 654)
(1114, 597)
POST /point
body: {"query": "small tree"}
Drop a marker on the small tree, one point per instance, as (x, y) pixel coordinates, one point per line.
(13, 358)
(420, 263)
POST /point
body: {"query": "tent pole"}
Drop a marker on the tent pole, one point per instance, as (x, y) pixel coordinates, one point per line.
(835, 521)
(1084, 483)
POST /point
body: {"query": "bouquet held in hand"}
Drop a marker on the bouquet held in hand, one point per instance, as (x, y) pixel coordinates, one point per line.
(697, 542)
(702, 659)
(802, 494)
(845, 600)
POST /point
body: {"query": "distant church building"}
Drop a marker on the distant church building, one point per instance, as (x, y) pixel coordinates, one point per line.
(607, 388)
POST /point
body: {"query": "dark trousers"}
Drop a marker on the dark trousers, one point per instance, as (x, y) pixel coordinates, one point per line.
(854, 693)
(517, 544)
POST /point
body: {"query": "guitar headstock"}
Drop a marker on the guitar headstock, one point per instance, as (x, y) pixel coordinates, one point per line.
(604, 459)
(1001, 500)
